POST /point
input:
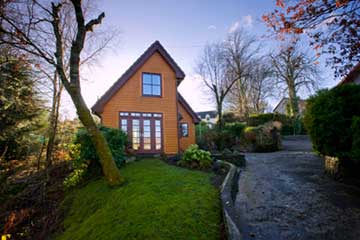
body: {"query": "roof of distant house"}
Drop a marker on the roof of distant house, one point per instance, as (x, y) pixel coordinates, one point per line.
(301, 103)
(202, 115)
(350, 77)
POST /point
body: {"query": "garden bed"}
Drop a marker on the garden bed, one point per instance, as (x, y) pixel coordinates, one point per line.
(159, 201)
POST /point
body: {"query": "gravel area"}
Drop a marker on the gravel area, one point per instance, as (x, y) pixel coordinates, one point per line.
(286, 195)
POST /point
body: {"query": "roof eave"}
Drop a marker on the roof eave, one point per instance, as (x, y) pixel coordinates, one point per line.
(156, 46)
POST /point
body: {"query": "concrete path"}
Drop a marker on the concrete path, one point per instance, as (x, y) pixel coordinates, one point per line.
(285, 195)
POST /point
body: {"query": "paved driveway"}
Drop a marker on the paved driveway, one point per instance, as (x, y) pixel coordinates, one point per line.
(285, 195)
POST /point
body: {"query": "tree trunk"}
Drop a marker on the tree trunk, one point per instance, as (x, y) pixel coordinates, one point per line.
(53, 120)
(39, 156)
(293, 105)
(110, 170)
(220, 116)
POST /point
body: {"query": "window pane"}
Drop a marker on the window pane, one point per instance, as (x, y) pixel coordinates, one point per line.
(146, 78)
(147, 89)
(124, 125)
(156, 90)
(184, 129)
(135, 134)
(156, 79)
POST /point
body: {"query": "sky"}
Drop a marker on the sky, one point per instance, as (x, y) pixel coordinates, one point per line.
(183, 28)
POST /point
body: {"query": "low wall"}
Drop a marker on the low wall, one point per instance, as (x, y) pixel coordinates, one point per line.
(228, 193)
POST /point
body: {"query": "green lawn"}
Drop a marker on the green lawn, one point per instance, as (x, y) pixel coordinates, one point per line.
(158, 202)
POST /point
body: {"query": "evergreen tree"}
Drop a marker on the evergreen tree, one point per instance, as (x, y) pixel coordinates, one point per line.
(20, 107)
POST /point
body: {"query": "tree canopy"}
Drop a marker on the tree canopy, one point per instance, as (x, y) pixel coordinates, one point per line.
(332, 25)
(20, 104)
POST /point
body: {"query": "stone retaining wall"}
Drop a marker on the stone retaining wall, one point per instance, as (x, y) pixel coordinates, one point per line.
(228, 193)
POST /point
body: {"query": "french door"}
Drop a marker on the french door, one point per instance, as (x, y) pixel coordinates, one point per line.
(144, 131)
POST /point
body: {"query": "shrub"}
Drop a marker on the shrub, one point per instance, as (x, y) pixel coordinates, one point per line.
(263, 138)
(230, 117)
(116, 139)
(203, 135)
(329, 117)
(76, 176)
(80, 166)
(235, 128)
(250, 134)
(290, 125)
(260, 119)
(213, 139)
(355, 148)
(194, 157)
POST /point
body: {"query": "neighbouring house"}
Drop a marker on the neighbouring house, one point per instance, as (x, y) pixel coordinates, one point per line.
(210, 117)
(145, 103)
(281, 107)
(352, 77)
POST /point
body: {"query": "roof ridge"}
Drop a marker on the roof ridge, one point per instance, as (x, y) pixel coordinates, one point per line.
(97, 108)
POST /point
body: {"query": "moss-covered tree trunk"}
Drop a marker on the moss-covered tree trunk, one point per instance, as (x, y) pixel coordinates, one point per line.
(109, 168)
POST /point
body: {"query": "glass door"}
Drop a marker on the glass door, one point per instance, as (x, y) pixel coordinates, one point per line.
(136, 134)
(146, 136)
(144, 130)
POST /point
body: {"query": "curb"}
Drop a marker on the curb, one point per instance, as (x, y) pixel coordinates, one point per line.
(227, 195)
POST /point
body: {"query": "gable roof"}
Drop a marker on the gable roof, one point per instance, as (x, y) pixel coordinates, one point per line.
(285, 100)
(155, 47)
(187, 107)
(350, 77)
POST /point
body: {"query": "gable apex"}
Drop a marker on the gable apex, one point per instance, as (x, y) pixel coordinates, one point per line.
(154, 47)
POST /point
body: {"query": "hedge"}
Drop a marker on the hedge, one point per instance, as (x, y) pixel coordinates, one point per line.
(332, 120)
(116, 139)
(290, 125)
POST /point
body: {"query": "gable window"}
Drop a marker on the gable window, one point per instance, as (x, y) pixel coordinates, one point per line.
(151, 84)
(184, 127)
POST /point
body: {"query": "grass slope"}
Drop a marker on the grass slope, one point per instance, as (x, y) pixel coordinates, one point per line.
(159, 202)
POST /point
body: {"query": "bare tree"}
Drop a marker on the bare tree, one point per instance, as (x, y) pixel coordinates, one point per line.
(260, 86)
(240, 52)
(213, 70)
(293, 70)
(47, 33)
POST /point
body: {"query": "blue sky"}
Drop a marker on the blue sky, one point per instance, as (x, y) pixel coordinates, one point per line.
(183, 27)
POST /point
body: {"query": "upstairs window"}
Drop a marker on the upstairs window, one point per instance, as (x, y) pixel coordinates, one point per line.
(151, 84)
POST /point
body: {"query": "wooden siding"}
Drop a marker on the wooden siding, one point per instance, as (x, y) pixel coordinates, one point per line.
(187, 141)
(129, 98)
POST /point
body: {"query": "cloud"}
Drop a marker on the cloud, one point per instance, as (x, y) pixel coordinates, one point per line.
(234, 26)
(212, 27)
(247, 21)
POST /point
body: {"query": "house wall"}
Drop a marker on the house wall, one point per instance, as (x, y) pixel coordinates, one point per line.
(129, 98)
(187, 141)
